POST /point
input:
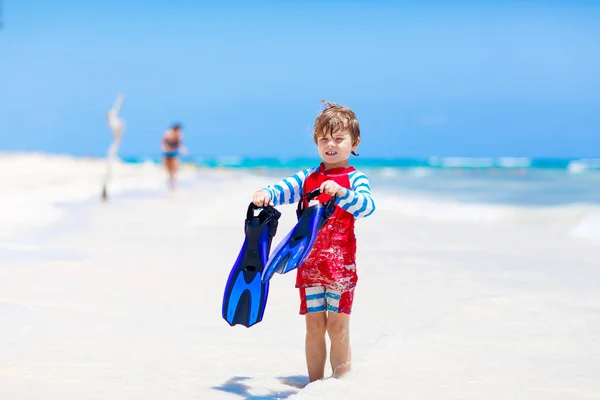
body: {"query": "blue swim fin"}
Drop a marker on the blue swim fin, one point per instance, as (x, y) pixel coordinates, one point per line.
(245, 294)
(295, 247)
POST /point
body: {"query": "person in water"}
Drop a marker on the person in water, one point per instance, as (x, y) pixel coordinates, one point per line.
(327, 278)
(172, 147)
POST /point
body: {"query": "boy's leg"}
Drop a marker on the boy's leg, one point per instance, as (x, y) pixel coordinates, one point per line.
(316, 349)
(312, 305)
(338, 328)
(339, 306)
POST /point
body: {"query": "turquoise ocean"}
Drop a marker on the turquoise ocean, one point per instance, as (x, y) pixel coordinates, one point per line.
(501, 180)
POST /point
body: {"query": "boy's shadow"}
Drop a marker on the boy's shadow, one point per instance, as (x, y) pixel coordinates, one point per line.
(237, 386)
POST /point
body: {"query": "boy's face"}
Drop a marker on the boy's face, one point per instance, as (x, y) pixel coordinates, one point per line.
(335, 151)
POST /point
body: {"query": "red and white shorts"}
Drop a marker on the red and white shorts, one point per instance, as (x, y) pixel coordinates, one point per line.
(315, 299)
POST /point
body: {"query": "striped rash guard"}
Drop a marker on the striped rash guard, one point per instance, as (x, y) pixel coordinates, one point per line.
(332, 260)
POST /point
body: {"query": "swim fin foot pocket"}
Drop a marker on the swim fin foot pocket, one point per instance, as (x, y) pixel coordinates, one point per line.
(245, 296)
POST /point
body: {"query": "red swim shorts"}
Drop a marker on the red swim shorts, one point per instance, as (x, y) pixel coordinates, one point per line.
(321, 298)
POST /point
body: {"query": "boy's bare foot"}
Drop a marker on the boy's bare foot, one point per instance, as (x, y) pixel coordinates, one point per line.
(341, 370)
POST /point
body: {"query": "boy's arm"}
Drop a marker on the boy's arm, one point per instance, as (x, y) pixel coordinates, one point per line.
(358, 200)
(288, 190)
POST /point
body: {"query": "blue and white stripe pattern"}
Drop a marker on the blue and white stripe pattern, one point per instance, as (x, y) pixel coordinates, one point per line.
(289, 190)
(358, 201)
(315, 299)
(333, 300)
(318, 299)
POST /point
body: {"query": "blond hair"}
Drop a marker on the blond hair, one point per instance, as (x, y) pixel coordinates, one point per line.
(335, 118)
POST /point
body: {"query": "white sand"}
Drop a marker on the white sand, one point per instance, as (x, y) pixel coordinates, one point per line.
(123, 300)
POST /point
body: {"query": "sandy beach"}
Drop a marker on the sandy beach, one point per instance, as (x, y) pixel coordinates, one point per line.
(123, 300)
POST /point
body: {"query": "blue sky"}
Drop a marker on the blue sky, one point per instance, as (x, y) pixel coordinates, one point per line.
(455, 78)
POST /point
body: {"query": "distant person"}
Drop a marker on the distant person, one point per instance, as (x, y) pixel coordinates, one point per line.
(117, 127)
(327, 277)
(172, 147)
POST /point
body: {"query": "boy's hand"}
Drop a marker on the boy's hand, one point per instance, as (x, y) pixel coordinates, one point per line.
(262, 199)
(332, 188)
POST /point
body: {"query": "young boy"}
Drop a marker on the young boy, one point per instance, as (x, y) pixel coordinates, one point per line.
(328, 276)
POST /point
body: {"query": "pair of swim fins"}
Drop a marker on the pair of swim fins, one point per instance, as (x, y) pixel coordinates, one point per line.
(247, 287)
(295, 247)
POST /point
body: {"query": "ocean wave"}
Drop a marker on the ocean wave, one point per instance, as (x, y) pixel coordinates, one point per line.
(229, 161)
(440, 210)
(388, 172)
(513, 162)
(583, 165)
(480, 162)
(463, 162)
(364, 162)
(575, 220)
